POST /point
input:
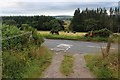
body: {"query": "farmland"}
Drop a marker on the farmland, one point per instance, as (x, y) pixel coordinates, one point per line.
(84, 45)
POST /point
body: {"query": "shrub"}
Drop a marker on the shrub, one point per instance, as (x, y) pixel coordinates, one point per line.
(102, 33)
(8, 31)
(25, 26)
(17, 50)
(8, 42)
(38, 39)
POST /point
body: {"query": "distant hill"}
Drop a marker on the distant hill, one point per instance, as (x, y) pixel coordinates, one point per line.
(63, 17)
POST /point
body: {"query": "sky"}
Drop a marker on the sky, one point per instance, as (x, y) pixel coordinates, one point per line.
(50, 7)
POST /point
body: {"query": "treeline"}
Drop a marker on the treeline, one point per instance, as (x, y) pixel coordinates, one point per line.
(87, 20)
(38, 22)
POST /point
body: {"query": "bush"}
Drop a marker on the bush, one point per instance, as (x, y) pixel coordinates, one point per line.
(102, 33)
(38, 39)
(18, 51)
(24, 26)
(12, 43)
(8, 31)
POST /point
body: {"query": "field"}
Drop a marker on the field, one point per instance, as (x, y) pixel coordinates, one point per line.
(78, 36)
(62, 33)
(71, 36)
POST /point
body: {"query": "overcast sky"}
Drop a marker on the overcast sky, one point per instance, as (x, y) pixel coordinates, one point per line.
(50, 7)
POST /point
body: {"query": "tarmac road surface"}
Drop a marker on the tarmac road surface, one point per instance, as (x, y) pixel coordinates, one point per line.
(77, 46)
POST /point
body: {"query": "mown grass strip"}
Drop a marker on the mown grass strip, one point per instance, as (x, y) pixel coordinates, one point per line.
(103, 68)
(66, 67)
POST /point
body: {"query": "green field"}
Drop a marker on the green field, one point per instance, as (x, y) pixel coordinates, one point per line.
(77, 36)
(71, 36)
(62, 33)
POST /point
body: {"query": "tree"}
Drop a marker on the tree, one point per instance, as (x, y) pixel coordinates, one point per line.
(54, 24)
(10, 22)
(90, 24)
(76, 20)
(111, 11)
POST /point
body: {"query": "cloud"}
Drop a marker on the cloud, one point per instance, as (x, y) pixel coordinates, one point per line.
(50, 8)
(59, 0)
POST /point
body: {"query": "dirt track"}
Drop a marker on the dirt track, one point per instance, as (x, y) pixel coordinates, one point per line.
(79, 69)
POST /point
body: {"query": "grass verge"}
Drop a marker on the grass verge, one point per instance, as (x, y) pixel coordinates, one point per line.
(67, 65)
(37, 66)
(103, 68)
(28, 63)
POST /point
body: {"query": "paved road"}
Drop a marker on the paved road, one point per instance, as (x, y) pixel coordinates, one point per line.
(77, 46)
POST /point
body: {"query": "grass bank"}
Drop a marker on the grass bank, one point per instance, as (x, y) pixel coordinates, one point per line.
(29, 63)
(67, 65)
(103, 68)
(37, 66)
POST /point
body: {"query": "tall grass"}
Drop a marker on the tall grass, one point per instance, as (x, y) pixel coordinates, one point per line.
(22, 56)
(29, 63)
(37, 66)
(116, 38)
(103, 68)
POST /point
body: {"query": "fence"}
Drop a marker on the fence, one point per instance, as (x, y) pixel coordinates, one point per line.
(29, 33)
(17, 41)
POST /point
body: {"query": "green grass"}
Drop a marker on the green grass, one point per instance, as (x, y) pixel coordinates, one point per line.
(63, 33)
(103, 68)
(67, 65)
(116, 37)
(37, 66)
(29, 63)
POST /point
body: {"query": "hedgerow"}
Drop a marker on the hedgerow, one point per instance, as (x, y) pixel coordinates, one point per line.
(17, 50)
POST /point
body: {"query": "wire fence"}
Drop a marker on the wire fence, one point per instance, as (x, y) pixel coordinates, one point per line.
(27, 33)
(17, 41)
